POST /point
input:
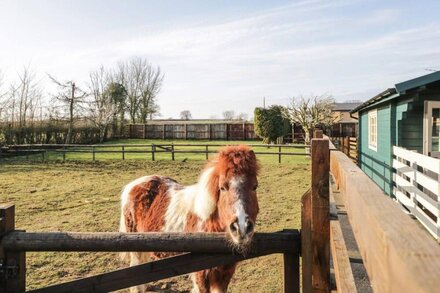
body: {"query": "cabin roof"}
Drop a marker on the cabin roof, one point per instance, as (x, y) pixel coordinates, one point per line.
(400, 89)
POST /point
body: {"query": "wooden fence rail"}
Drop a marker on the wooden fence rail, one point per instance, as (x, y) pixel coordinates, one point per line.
(279, 242)
(150, 149)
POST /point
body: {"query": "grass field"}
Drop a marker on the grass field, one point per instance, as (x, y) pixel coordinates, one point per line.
(84, 196)
(143, 151)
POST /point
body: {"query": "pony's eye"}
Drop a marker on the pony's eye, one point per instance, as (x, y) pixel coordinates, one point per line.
(224, 188)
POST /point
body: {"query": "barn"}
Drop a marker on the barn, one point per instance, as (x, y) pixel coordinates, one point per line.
(398, 145)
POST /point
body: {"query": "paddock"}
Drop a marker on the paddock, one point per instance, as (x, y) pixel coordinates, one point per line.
(398, 255)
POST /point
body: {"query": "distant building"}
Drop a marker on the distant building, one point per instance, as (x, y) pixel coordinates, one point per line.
(344, 124)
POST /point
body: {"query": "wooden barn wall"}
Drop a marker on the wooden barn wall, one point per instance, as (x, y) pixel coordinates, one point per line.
(219, 131)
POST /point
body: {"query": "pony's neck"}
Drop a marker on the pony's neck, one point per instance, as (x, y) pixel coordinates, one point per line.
(205, 198)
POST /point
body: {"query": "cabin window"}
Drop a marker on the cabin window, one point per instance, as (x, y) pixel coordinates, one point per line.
(372, 130)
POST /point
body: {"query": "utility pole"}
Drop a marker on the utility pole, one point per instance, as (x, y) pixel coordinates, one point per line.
(264, 102)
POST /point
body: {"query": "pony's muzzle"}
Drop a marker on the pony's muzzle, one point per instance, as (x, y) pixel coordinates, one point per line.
(242, 235)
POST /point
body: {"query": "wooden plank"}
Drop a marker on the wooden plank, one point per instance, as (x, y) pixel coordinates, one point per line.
(320, 224)
(426, 221)
(144, 273)
(341, 261)
(426, 162)
(279, 242)
(306, 242)
(393, 246)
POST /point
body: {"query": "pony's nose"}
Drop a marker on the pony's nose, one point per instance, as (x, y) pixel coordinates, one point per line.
(249, 227)
(242, 232)
(235, 229)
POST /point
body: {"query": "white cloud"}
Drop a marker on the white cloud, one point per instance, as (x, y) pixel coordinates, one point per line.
(304, 47)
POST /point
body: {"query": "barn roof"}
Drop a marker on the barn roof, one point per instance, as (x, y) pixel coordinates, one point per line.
(345, 106)
(399, 90)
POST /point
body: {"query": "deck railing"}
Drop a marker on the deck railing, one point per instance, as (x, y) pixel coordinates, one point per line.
(417, 186)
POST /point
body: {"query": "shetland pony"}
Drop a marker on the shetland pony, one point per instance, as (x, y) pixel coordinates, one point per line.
(223, 200)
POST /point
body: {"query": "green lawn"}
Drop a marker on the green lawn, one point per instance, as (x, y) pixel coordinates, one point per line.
(84, 196)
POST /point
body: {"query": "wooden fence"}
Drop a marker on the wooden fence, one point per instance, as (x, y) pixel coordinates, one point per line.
(348, 145)
(151, 150)
(208, 131)
(416, 178)
(202, 250)
(398, 255)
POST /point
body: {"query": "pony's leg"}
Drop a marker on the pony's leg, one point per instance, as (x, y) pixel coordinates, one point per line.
(199, 282)
(136, 258)
(220, 277)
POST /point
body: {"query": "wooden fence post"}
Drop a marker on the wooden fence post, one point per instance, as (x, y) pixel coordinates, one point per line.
(145, 131)
(320, 216)
(291, 272)
(123, 152)
(153, 149)
(13, 263)
(317, 133)
(306, 242)
(279, 154)
(347, 146)
(93, 152)
(206, 152)
(172, 151)
(244, 131)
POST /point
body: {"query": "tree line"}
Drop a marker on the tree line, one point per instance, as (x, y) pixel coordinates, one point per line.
(110, 97)
(272, 123)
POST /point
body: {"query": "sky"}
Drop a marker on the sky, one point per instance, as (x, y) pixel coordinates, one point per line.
(227, 55)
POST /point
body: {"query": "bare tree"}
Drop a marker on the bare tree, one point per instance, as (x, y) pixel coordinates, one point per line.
(242, 116)
(102, 107)
(310, 113)
(228, 115)
(185, 115)
(24, 97)
(142, 83)
(3, 101)
(71, 97)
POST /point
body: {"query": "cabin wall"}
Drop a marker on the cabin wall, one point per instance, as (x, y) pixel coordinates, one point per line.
(411, 125)
(377, 164)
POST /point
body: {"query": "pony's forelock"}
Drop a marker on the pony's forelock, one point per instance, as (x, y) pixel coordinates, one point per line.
(237, 160)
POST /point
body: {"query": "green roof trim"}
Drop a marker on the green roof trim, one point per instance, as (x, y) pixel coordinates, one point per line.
(417, 82)
(399, 90)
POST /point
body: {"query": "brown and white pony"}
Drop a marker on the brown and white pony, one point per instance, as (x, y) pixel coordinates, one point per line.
(223, 200)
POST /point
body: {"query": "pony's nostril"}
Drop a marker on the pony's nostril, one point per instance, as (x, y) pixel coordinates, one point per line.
(249, 227)
(233, 227)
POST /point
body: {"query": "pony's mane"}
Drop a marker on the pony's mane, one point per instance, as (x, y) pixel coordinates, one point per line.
(235, 160)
